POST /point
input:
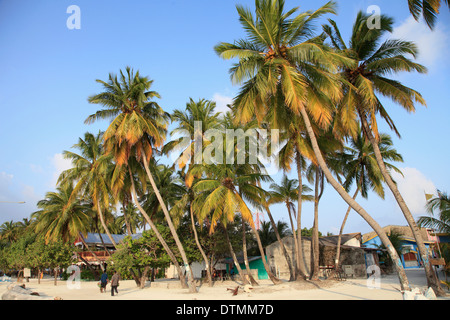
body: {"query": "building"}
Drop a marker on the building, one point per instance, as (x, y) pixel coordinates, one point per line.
(409, 251)
(354, 258)
(99, 246)
(256, 265)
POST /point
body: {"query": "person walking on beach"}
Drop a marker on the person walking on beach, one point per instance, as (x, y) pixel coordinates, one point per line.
(114, 283)
(103, 281)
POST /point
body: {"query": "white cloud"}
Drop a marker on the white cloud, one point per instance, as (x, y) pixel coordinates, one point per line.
(432, 44)
(413, 187)
(60, 164)
(221, 102)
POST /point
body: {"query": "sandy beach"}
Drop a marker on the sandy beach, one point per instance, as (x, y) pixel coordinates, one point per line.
(351, 289)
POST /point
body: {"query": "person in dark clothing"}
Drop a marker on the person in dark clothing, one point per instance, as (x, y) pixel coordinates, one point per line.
(114, 283)
(103, 281)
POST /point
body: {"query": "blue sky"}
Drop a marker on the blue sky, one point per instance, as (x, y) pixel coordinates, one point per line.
(47, 72)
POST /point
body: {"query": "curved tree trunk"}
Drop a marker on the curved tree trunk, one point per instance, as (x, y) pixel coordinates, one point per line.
(283, 247)
(197, 241)
(158, 235)
(341, 231)
(235, 260)
(102, 221)
(301, 270)
(404, 283)
(272, 277)
(431, 277)
(191, 282)
(253, 282)
(297, 245)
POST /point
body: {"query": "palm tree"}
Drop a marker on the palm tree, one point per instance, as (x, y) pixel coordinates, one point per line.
(60, 217)
(359, 166)
(89, 175)
(139, 124)
(201, 113)
(197, 115)
(287, 193)
(183, 205)
(295, 149)
(429, 9)
(441, 222)
(8, 231)
(222, 195)
(280, 62)
(374, 62)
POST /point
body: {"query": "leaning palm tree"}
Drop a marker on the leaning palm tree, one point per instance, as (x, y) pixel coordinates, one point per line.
(359, 166)
(279, 62)
(429, 9)
(375, 61)
(139, 124)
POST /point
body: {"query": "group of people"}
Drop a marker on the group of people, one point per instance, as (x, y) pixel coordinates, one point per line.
(114, 282)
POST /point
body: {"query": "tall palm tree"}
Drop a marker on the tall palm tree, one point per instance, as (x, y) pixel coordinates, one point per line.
(375, 61)
(192, 123)
(89, 175)
(61, 217)
(287, 193)
(429, 9)
(280, 61)
(359, 167)
(295, 150)
(139, 124)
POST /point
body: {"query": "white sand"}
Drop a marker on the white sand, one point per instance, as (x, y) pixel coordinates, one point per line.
(352, 289)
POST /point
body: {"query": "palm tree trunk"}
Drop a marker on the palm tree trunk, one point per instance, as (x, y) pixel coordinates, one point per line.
(102, 221)
(296, 243)
(301, 270)
(341, 231)
(125, 204)
(197, 241)
(431, 277)
(315, 259)
(404, 283)
(283, 248)
(253, 282)
(235, 260)
(191, 283)
(158, 235)
(272, 277)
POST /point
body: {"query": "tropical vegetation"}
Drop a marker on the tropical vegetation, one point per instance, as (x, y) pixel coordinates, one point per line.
(324, 97)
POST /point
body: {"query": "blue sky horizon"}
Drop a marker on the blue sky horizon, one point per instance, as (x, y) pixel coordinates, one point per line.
(47, 71)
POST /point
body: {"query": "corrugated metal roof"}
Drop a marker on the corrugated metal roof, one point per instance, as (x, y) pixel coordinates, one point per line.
(94, 238)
